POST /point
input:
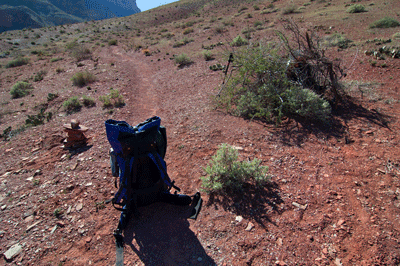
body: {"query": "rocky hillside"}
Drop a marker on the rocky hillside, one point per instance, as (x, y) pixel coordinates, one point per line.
(18, 14)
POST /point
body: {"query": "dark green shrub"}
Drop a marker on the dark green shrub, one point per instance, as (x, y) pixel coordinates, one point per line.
(20, 61)
(357, 8)
(188, 30)
(208, 56)
(51, 96)
(81, 79)
(290, 9)
(88, 102)
(113, 99)
(20, 89)
(385, 22)
(38, 119)
(72, 105)
(225, 174)
(112, 42)
(39, 75)
(182, 60)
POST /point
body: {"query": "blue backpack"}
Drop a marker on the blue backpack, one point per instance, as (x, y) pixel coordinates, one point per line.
(137, 158)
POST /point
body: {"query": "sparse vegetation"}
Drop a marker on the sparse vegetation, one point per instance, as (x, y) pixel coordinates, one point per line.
(39, 75)
(385, 22)
(72, 105)
(38, 119)
(239, 41)
(337, 40)
(20, 61)
(208, 56)
(113, 99)
(88, 102)
(21, 89)
(357, 8)
(182, 60)
(79, 51)
(112, 42)
(290, 9)
(81, 79)
(225, 174)
(51, 96)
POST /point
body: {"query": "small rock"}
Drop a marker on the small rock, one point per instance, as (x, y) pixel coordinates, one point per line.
(338, 262)
(53, 229)
(279, 241)
(239, 219)
(340, 222)
(88, 239)
(31, 226)
(250, 226)
(310, 237)
(79, 206)
(13, 251)
(29, 219)
(280, 263)
(300, 206)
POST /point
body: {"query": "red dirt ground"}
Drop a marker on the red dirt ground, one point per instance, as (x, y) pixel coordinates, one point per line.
(334, 197)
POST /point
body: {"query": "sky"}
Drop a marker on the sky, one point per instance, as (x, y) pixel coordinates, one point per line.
(144, 5)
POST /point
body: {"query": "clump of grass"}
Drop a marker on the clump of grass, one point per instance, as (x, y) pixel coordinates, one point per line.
(208, 56)
(39, 75)
(51, 96)
(225, 174)
(396, 36)
(72, 105)
(78, 51)
(58, 212)
(385, 22)
(112, 42)
(188, 31)
(182, 42)
(337, 40)
(113, 99)
(182, 60)
(20, 61)
(357, 8)
(88, 102)
(239, 41)
(81, 79)
(38, 119)
(20, 89)
(290, 9)
(56, 59)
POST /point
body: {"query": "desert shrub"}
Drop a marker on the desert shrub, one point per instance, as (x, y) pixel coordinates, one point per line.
(81, 79)
(38, 119)
(51, 96)
(225, 174)
(337, 40)
(182, 42)
(396, 35)
(20, 61)
(188, 30)
(182, 60)
(20, 89)
(112, 42)
(72, 105)
(290, 9)
(59, 70)
(78, 51)
(113, 99)
(260, 88)
(239, 41)
(88, 102)
(39, 75)
(56, 59)
(357, 8)
(385, 22)
(208, 56)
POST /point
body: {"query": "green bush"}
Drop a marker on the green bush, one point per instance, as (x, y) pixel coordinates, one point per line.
(208, 56)
(385, 22)
(38, 119)
(88, 102)
(78, 51)
(112, 42)
(337, 40)
(20, 89)
(290, 9)
(239, 41)
(72, 105)
(81, 79)
(188, 30)
(260, 88)
(113, 99)
(39, 75)
(182, 60)
(51, 96)
(357, 8)
(226, 174)
(20, 61)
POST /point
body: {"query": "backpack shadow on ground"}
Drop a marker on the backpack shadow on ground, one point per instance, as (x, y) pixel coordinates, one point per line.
(161, 235)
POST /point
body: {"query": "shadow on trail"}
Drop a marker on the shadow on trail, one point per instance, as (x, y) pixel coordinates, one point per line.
(255, 203)
(160, 235)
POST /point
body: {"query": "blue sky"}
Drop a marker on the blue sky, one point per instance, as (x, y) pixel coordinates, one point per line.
(144, 5)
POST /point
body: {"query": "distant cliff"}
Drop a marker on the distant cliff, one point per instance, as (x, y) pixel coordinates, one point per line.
(19, 14)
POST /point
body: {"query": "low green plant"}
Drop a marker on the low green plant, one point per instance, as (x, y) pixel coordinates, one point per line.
(208, 56)
(239, 41)
(88, 102)
(357, 8)
(337, 40)
(51, 96)
(290, 9)
(78, 51)
(81, 79)
(72, 105)
(112, 42)
(20, 61)
(20, 89)
(113, 99)
(396, 36)
(225, 174)
(182, 60)
(38, 119)
(385, 22)
(187, 31)
(39, 75)
(56, 59)
(58, 212)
